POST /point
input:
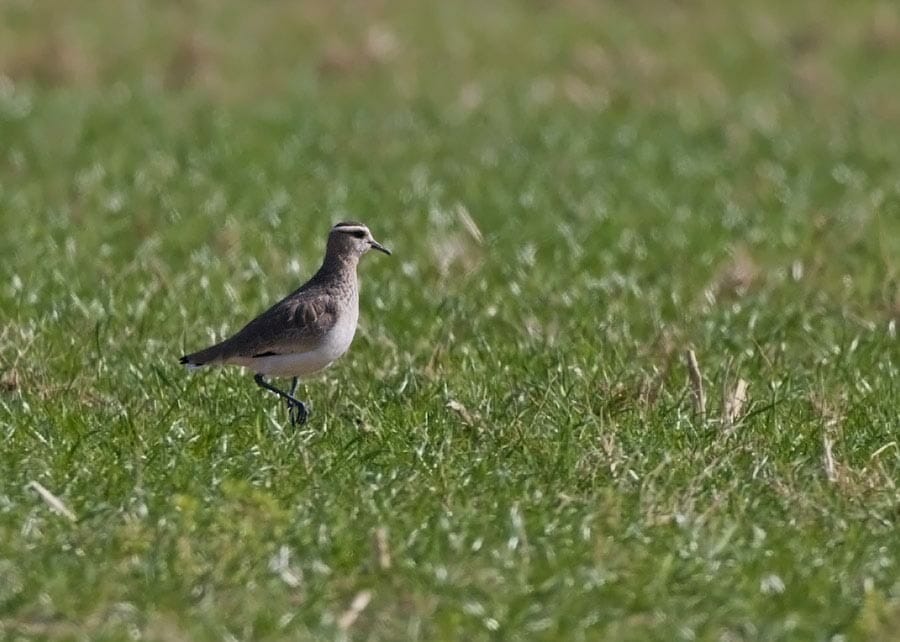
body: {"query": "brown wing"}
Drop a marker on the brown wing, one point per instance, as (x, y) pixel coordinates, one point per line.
(291, 326)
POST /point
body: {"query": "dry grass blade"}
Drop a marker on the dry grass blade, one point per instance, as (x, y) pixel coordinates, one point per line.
(469, 223)
(828, 458)
(832, 418)
(281, 565)
(696, 378)
(468, 418)
(52, 501)
(382, 548)
(879, 451)
(734, 403)
(357, 606)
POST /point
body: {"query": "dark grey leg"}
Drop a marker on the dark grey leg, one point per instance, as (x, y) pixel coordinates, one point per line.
(298, 413)
(297, 410)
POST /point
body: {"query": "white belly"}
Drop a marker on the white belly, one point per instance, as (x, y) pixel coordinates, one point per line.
(304, 364)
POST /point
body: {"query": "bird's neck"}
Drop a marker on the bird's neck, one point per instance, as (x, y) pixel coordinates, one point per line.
(340, 266)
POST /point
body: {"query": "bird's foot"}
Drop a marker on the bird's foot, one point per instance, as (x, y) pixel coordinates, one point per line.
(297, 412)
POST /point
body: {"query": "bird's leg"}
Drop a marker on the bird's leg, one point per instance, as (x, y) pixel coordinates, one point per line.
(297, 410)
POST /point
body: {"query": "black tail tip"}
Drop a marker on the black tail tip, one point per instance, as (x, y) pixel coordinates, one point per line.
(184, 360)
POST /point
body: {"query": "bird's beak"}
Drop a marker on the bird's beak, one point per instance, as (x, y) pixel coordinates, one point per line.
(378, 246)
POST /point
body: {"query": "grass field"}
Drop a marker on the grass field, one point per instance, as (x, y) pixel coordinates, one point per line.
(576, 194)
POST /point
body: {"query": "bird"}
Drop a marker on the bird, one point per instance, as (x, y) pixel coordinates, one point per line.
(306, 331)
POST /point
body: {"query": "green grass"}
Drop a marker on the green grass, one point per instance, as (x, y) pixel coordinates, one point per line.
(513, 426)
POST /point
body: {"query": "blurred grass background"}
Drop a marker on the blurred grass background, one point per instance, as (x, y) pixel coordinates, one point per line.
(576, 193)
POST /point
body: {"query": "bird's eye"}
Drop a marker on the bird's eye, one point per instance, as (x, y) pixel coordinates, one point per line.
(359, 234)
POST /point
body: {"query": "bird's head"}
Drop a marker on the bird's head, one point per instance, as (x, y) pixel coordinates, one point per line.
(349, 239)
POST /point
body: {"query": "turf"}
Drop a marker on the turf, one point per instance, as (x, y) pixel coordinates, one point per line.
(576, 195)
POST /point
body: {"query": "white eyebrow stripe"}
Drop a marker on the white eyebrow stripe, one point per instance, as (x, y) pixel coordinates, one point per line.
(350, 228)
